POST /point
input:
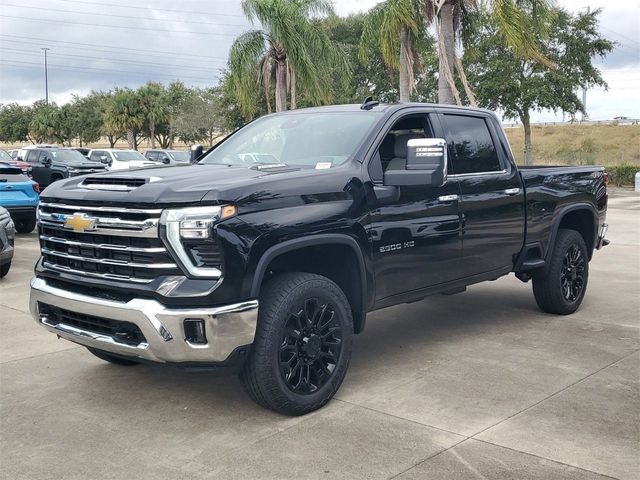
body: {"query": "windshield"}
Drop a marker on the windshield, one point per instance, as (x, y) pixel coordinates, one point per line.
(66, 156)
(179, 156)
(128, 156)
(321, 140)
(5, 157)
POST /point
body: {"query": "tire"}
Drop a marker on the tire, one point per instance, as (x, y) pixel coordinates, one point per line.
(25, 225)
(107, 357)
(562, 286)
(4, 269)
(296, 366)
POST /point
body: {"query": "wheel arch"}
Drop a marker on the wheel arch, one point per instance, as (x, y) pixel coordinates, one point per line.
(581, 217)
(342, 262)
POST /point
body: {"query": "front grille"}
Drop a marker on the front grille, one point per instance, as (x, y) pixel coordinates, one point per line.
(121, 244)
(122, 332)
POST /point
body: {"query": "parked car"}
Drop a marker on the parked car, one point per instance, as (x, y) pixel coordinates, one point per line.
(273, 267)
(84, 151)
(7, 239)
(19, 195)
(168, 157)
(22, 153)
(49, 165)
(117, 159)
(5, 157)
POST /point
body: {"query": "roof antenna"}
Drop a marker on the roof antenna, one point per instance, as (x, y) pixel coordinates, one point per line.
(369, 103)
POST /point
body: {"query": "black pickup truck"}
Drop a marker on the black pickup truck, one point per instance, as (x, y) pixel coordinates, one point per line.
(272, 267)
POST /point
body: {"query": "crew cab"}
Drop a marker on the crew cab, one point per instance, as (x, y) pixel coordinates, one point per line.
(50, 164)
(272, 267)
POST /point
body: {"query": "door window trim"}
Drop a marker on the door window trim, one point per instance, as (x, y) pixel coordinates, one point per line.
(504, 163)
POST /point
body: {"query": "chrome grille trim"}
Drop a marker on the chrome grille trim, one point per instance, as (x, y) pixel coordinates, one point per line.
(108, 261)
(150, 211)
(104, 276)
(123, 245)
(103, 246)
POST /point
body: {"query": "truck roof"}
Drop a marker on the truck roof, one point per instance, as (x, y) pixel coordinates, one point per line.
(382, 107)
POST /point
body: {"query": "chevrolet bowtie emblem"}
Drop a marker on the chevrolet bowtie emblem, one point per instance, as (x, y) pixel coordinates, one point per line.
(79, 222)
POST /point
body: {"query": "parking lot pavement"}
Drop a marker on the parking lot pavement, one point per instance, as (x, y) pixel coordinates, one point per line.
(477, 385)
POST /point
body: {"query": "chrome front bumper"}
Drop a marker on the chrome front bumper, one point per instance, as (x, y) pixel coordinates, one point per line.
(227, 327)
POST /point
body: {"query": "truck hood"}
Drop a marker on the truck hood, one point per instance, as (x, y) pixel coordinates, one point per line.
(170, 185)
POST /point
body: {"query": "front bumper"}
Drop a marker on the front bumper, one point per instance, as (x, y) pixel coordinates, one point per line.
(227, 327)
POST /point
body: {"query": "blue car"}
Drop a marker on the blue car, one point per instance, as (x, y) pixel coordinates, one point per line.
(19, 195)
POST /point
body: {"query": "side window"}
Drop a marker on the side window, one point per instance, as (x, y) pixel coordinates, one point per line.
(152, 156)
(392, 152)
(95, 155)
(471, 144)
(32, 156)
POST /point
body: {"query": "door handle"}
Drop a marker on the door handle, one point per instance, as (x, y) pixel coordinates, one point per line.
(512, 191)
(448, 198)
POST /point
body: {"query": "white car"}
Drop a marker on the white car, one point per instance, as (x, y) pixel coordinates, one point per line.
(118, 159)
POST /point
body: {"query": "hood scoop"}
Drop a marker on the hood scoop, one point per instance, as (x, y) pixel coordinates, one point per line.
(120, 184)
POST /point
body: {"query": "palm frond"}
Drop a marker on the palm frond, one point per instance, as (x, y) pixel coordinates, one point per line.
(245, 68)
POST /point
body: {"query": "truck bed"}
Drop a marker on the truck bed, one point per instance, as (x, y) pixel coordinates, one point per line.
(551, 190)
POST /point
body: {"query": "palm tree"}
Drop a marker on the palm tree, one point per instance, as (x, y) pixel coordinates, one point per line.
(124, 114)
(392, 26)
(292, 45)
(154, 107)
(518, 30)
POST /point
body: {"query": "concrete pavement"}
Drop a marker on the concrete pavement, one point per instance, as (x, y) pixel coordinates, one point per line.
(477, 385)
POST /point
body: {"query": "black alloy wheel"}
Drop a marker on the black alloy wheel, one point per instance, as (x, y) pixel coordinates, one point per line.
(572, 275)
(311, 346)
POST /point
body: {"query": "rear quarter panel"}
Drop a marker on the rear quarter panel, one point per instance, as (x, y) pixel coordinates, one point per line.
(553, 191)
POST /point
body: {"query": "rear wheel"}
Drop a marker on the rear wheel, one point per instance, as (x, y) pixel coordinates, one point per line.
(302, 347)
(25, 225)
(107, 357)
(562, 286)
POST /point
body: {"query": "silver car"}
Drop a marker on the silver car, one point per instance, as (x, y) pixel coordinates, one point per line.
(7, 239)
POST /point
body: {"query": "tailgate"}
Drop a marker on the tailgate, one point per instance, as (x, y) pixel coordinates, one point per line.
(17, 194)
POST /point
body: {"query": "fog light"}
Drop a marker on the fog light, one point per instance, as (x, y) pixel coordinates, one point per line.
(194, 331)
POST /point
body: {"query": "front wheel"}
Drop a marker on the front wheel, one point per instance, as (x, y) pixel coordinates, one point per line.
(302, 347)
(561, 287)
(4, 269)
(25, 225)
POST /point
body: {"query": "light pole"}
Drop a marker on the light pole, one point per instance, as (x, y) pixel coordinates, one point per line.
(46, 76)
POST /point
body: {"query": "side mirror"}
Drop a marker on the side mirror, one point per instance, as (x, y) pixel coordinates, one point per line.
(105, 159)
(426, 164)
(165, 160)
(46, 161)
(196, 153)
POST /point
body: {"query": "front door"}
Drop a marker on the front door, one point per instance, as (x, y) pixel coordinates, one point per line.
(492, 195)
(416, 237)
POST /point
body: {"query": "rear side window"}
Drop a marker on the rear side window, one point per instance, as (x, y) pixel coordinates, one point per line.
(96, 154)
(471, 144)
(32, 156)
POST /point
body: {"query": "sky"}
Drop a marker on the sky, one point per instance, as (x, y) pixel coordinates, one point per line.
(102, 44)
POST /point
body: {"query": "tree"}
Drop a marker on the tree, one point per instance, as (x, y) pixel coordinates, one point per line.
(88, 117)
(44, 123)
(519, 23)
(124, 113)
(14, 122)
(153, 103)
(393, 27)
(504, 80)
(293, 46)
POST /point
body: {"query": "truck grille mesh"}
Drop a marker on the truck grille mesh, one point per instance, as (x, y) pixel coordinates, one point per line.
(120, 244)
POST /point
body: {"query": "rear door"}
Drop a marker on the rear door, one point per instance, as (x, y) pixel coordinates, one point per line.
(492, 194)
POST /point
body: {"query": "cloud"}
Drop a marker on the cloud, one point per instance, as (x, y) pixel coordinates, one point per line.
(97, 46)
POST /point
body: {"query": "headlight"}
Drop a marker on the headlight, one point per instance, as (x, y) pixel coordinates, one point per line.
(184, 226)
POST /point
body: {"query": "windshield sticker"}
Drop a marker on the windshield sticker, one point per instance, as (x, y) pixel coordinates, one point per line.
(323, 165)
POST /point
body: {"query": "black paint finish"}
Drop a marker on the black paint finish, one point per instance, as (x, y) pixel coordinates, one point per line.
(405, 242)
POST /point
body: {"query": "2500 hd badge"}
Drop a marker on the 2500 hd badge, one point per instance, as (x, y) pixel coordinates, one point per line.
(397, 246)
